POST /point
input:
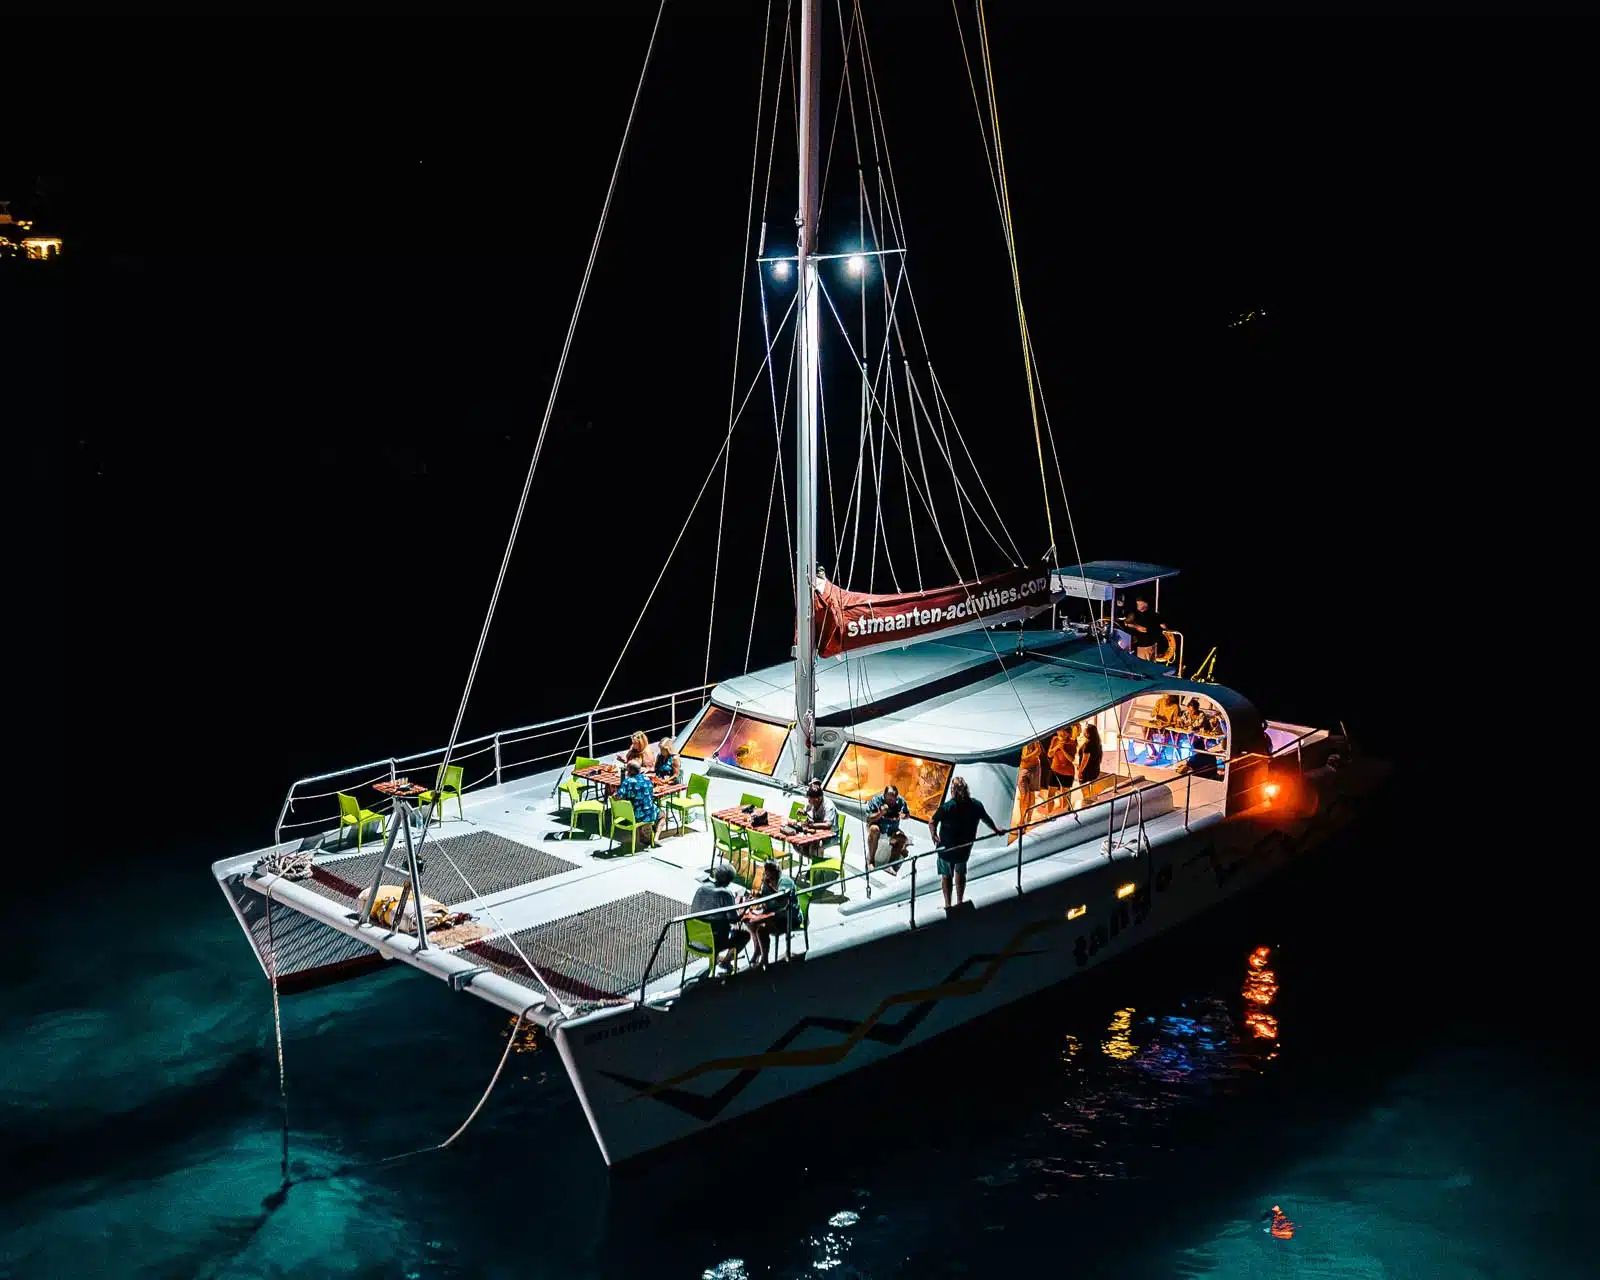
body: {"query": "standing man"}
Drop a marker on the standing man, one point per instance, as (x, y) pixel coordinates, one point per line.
(1145, 623)
(954, 826)
(885, 812)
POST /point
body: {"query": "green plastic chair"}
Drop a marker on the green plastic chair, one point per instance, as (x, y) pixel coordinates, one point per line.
(584, 762)
(622, 819)
(693, 798)
(723, 842)
(576, 790)
(351, 814)
(448, 784)
(700, 940)
(797, 811)
(834, 864)
(747, 798)
(760, 849)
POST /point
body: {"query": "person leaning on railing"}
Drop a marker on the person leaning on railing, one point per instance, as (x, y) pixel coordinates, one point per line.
(954, 826)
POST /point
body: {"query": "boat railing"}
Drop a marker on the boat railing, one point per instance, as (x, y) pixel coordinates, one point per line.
(494, 758)
(1133, 800)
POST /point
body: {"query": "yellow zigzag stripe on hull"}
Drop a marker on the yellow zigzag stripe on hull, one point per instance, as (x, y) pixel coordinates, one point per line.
(828, 1054)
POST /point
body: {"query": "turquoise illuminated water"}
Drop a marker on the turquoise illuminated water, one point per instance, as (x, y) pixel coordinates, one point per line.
(1406, 1083)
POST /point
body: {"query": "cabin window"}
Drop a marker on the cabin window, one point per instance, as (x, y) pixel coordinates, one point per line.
(709, 733)
(862, 772)
(742, 741)
(1181, 732)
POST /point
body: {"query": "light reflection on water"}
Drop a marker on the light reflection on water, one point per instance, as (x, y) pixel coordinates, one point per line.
(1116, 1106)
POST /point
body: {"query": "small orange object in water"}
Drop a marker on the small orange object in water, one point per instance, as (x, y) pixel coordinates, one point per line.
(1282, 1228)
(1259, 957)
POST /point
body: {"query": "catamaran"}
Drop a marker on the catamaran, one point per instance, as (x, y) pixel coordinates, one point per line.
(478, 866)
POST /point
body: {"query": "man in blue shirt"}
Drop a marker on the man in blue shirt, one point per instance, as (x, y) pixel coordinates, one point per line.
(885, 812)
(954, 826)
(636, 789)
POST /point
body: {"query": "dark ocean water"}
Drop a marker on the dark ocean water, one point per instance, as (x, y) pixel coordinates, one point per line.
(1407, 1084)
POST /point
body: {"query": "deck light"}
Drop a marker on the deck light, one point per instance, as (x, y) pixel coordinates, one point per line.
(780, 270)
(1125, 890)
(1074, 912)
(856, 265)
(1271, 790)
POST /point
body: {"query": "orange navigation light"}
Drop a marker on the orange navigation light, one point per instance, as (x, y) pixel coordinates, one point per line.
(1259, 957)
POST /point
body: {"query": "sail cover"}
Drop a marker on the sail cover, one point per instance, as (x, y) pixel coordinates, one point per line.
(851, 621)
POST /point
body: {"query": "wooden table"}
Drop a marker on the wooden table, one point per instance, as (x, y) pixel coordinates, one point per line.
(803, 842)
(609, 776)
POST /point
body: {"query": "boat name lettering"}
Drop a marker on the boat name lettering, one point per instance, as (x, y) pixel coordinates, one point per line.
(621, 1029)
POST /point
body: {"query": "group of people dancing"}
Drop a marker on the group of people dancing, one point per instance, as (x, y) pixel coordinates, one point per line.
(1060, 775)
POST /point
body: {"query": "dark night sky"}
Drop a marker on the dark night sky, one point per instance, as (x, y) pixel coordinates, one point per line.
(307, 262)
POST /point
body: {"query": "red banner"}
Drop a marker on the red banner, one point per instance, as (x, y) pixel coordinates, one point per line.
(849, 620)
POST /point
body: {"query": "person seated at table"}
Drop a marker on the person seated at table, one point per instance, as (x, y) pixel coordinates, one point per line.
(1202, 764)
(885, 812)
(668, 767)
(727, 937)
(1189, 717)
(635, 788)
(770, 920)
(820, 813)
(1166, 710)
(639, 749)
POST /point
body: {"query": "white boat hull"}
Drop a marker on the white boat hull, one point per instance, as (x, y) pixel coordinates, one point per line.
(649, 1077)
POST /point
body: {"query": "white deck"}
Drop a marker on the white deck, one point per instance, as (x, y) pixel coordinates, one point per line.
(525, 811)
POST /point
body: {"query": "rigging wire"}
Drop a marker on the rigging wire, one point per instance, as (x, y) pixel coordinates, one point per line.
(1016, 277)
(527, 485)
(766, 524)
(683, 528)
(738, 326)
(995, 163)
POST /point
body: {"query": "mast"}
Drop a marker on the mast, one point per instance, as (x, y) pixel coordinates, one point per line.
(809, 321)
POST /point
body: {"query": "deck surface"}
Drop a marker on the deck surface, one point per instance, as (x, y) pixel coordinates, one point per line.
(588, 914)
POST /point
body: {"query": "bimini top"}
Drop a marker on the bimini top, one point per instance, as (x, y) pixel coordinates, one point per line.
(1099, 579)
(850, 686)
(1036, 694)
